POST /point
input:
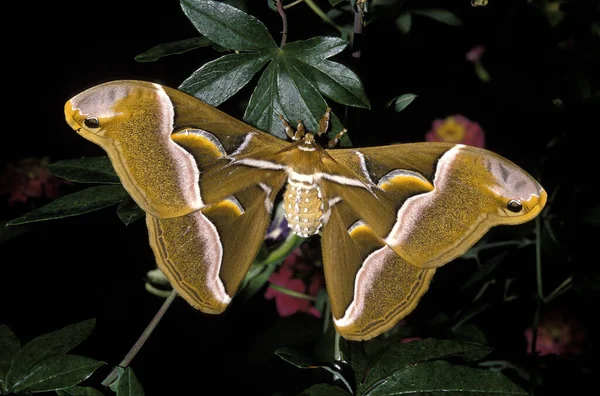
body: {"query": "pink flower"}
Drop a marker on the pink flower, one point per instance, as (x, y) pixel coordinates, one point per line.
(297, 275)
(475, 53)
(557, 334)
(456, 129)
(29, 178)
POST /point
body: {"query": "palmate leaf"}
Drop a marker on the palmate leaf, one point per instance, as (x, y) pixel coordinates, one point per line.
(294, 82)
(129, 384)
(58, 372)
(85, 170)
(332, 79)
(84, 201)
(9, 345)
(227, 26)
(401, 102)
(442, 378)
(217, 81)
(172, 48)
(404, 355)
(440, 15)
(128, 211)
(79, 391)
(45, 346)
(303, 362)
(324, 390)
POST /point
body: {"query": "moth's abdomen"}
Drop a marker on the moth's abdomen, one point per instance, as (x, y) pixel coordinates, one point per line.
(305, 207)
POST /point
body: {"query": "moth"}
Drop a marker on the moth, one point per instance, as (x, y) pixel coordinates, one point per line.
(387, 216)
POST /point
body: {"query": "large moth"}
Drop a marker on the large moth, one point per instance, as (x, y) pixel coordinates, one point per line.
(388, 216)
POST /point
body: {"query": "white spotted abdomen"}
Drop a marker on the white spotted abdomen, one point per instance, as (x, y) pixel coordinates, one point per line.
(305, 207)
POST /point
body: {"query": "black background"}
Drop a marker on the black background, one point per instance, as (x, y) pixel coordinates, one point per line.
(68, 270)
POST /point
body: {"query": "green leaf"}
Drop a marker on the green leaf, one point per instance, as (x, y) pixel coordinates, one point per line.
(335, 2)
(443, 378)
(217, 81)
(58, 372)
(324, 390)
(335, 126)
(256, 278)
(403, 355)
(440, 15)
(9, 346)
(332, 79)
(470, 332)
(404, 22)
(401, 102)
(128, 211)
(172, 48)
(293, 83)
(79, 391)
(227, 26)
(51, 344)
(486, 270)
(84, 201)
(264, 109)
(85, 170)
(129, 384)
(482, 72)
(303, 362)
(283, 90)
(114, 386)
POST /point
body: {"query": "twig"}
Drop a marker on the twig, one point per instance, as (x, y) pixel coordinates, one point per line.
(284, 29)
(315, 8)
(539, 302)
(359, 18)
(292, 4)
(110, 378)
(292, 293)
(338, 356)
(563, 287)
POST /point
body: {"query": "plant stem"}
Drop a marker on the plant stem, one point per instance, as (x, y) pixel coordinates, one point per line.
(284, 29)
(292, 4)
(143, 338)
(359, 18)
(538, 258)
(563, 287)
(283, 250)
(337, 353)
(315, 8)
(292, 293)
(539, 302)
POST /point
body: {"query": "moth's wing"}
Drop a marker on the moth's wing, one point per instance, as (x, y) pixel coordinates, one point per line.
(443, 198)
(370, 287)
(206, 216)
(137, 122)
(206, 254)
(398, 212)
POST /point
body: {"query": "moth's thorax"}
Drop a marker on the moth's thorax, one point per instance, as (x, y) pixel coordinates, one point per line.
(304, 204)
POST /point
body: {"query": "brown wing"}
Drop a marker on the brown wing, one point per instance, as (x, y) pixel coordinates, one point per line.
(175, 155)
(418, 206)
